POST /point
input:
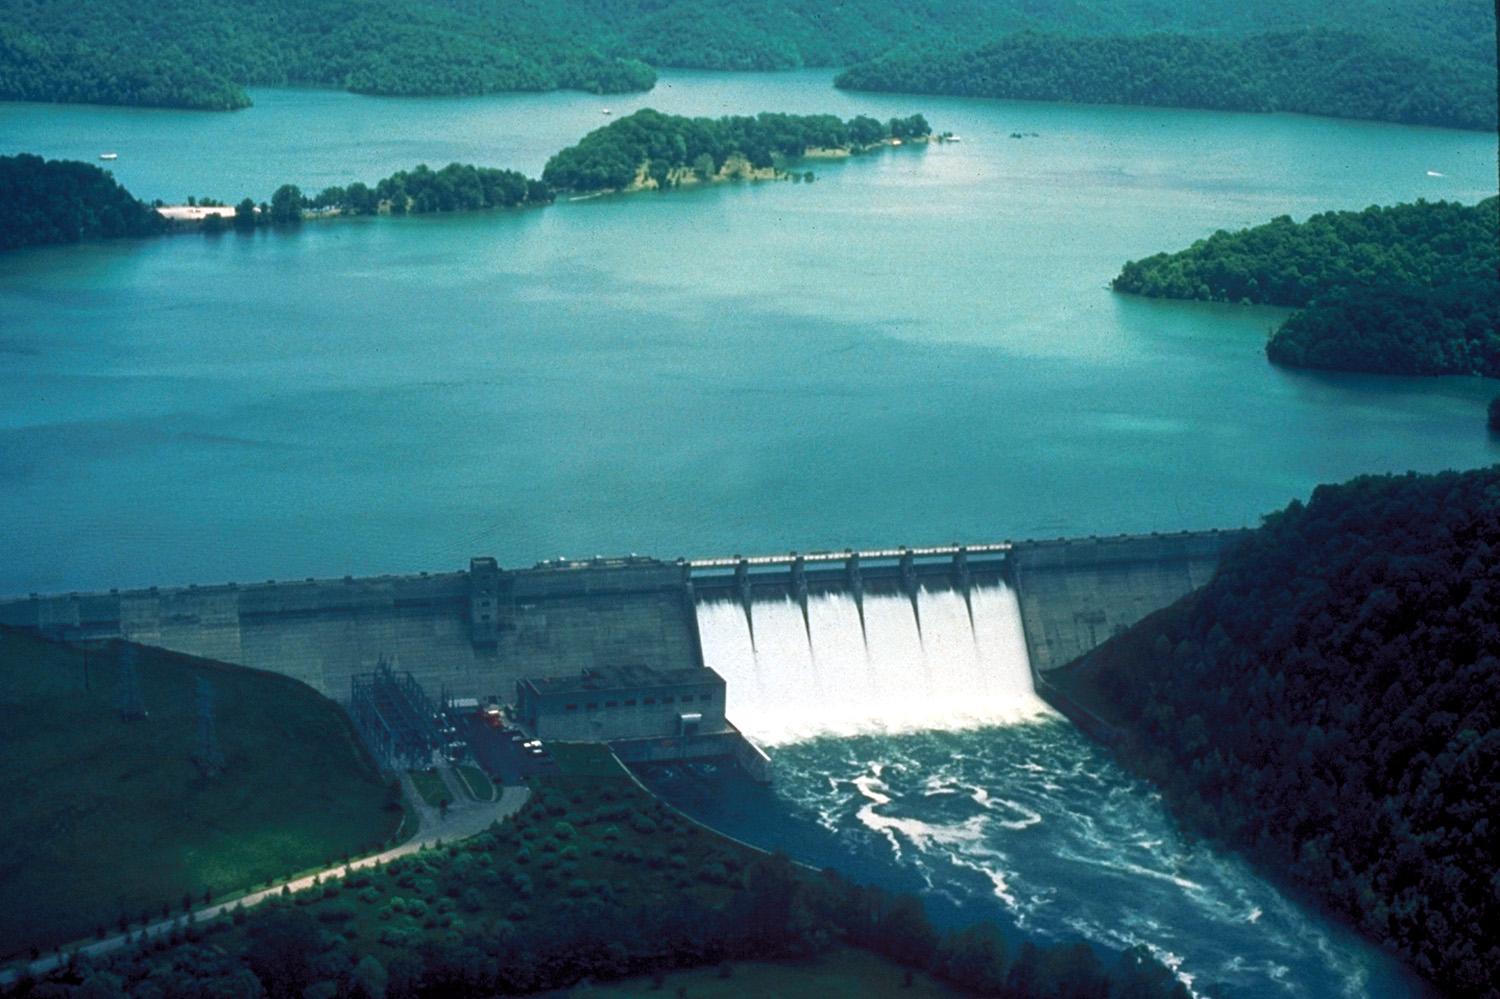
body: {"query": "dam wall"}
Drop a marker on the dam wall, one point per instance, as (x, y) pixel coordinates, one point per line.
(475, 633)
(1075, 593)
(467, 634)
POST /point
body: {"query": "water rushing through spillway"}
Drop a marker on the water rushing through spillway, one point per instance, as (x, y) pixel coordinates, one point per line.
(923, 760)
(902, 669)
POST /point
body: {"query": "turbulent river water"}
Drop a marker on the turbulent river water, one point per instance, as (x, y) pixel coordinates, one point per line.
(920, 346)
(921, 758)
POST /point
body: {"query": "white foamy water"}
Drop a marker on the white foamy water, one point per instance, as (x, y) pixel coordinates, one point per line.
(825, 676)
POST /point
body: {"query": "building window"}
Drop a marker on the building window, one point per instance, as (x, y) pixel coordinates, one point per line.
(611, 704)
(594, 706)
(666, 700)
(630, 703)
(686, 698)
(650, 700)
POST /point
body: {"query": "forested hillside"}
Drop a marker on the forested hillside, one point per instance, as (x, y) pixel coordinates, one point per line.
(594, 880)
(202, 53)
(1323, 72)
(1330, 702)
(1405, 330)
(1407, 289)
(64, 201)
(1426, 243)
(661, 145)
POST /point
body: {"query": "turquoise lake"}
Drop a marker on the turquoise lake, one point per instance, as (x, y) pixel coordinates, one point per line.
(918, 347)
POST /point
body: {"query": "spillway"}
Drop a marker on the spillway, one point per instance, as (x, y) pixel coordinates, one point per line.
(905, 669)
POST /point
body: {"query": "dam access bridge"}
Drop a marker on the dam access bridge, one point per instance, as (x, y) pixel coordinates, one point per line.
(477, 632)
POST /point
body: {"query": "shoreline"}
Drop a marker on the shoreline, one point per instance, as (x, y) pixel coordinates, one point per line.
(739, 168)
(183, 219)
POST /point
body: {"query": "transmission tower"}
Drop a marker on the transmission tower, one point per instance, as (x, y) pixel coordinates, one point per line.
(210, 757)
(128, 700)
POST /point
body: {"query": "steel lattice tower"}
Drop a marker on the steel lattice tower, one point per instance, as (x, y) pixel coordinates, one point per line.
(128, 700)
(210, 756)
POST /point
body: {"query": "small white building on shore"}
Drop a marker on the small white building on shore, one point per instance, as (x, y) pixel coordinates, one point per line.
(195, 213)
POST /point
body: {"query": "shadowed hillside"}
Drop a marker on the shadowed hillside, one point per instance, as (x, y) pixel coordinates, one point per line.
(1330, 702)
(106, 817)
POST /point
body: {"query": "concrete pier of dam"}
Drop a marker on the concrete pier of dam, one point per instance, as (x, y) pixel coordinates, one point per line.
(476, 632)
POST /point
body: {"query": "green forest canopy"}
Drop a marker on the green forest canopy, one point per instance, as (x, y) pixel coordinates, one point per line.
(1406, 289)
(609, 158)
(202, 53)
(64, 201)
(1330, 702)
(1320, 71)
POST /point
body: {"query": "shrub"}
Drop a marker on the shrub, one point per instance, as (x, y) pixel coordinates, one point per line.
(563, 830)
(578, 887)
(340, 912)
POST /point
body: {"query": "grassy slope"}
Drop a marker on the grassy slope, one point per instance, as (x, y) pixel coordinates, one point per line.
(104, 817)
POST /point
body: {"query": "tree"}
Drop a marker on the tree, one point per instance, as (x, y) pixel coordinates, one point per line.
(286, 205)
(244, 215)
(369, 979)
(360, 199)
(284, 943)
(974, 958)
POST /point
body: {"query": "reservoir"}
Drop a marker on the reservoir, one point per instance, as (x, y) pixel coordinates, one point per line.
(919, 346)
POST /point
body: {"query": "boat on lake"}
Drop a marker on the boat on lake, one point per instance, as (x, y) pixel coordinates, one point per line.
(109, 156)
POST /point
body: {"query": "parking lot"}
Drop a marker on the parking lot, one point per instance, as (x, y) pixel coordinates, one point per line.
(498, 752)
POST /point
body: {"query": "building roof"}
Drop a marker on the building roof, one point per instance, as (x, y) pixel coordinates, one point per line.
(633, 677)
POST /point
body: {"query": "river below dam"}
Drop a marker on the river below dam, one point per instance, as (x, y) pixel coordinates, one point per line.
(921, 759)
(920, 346)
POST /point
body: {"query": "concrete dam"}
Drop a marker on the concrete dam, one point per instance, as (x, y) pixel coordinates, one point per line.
(948, 614)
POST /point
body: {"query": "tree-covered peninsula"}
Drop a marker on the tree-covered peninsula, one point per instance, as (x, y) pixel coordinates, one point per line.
(1407, 289)
(203, 53)
(649, 149)
(1323, 72)
(64, 201)
(1453, 329)
(1330, 703)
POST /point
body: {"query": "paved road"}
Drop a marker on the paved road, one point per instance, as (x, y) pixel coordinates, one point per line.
(465, 818)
